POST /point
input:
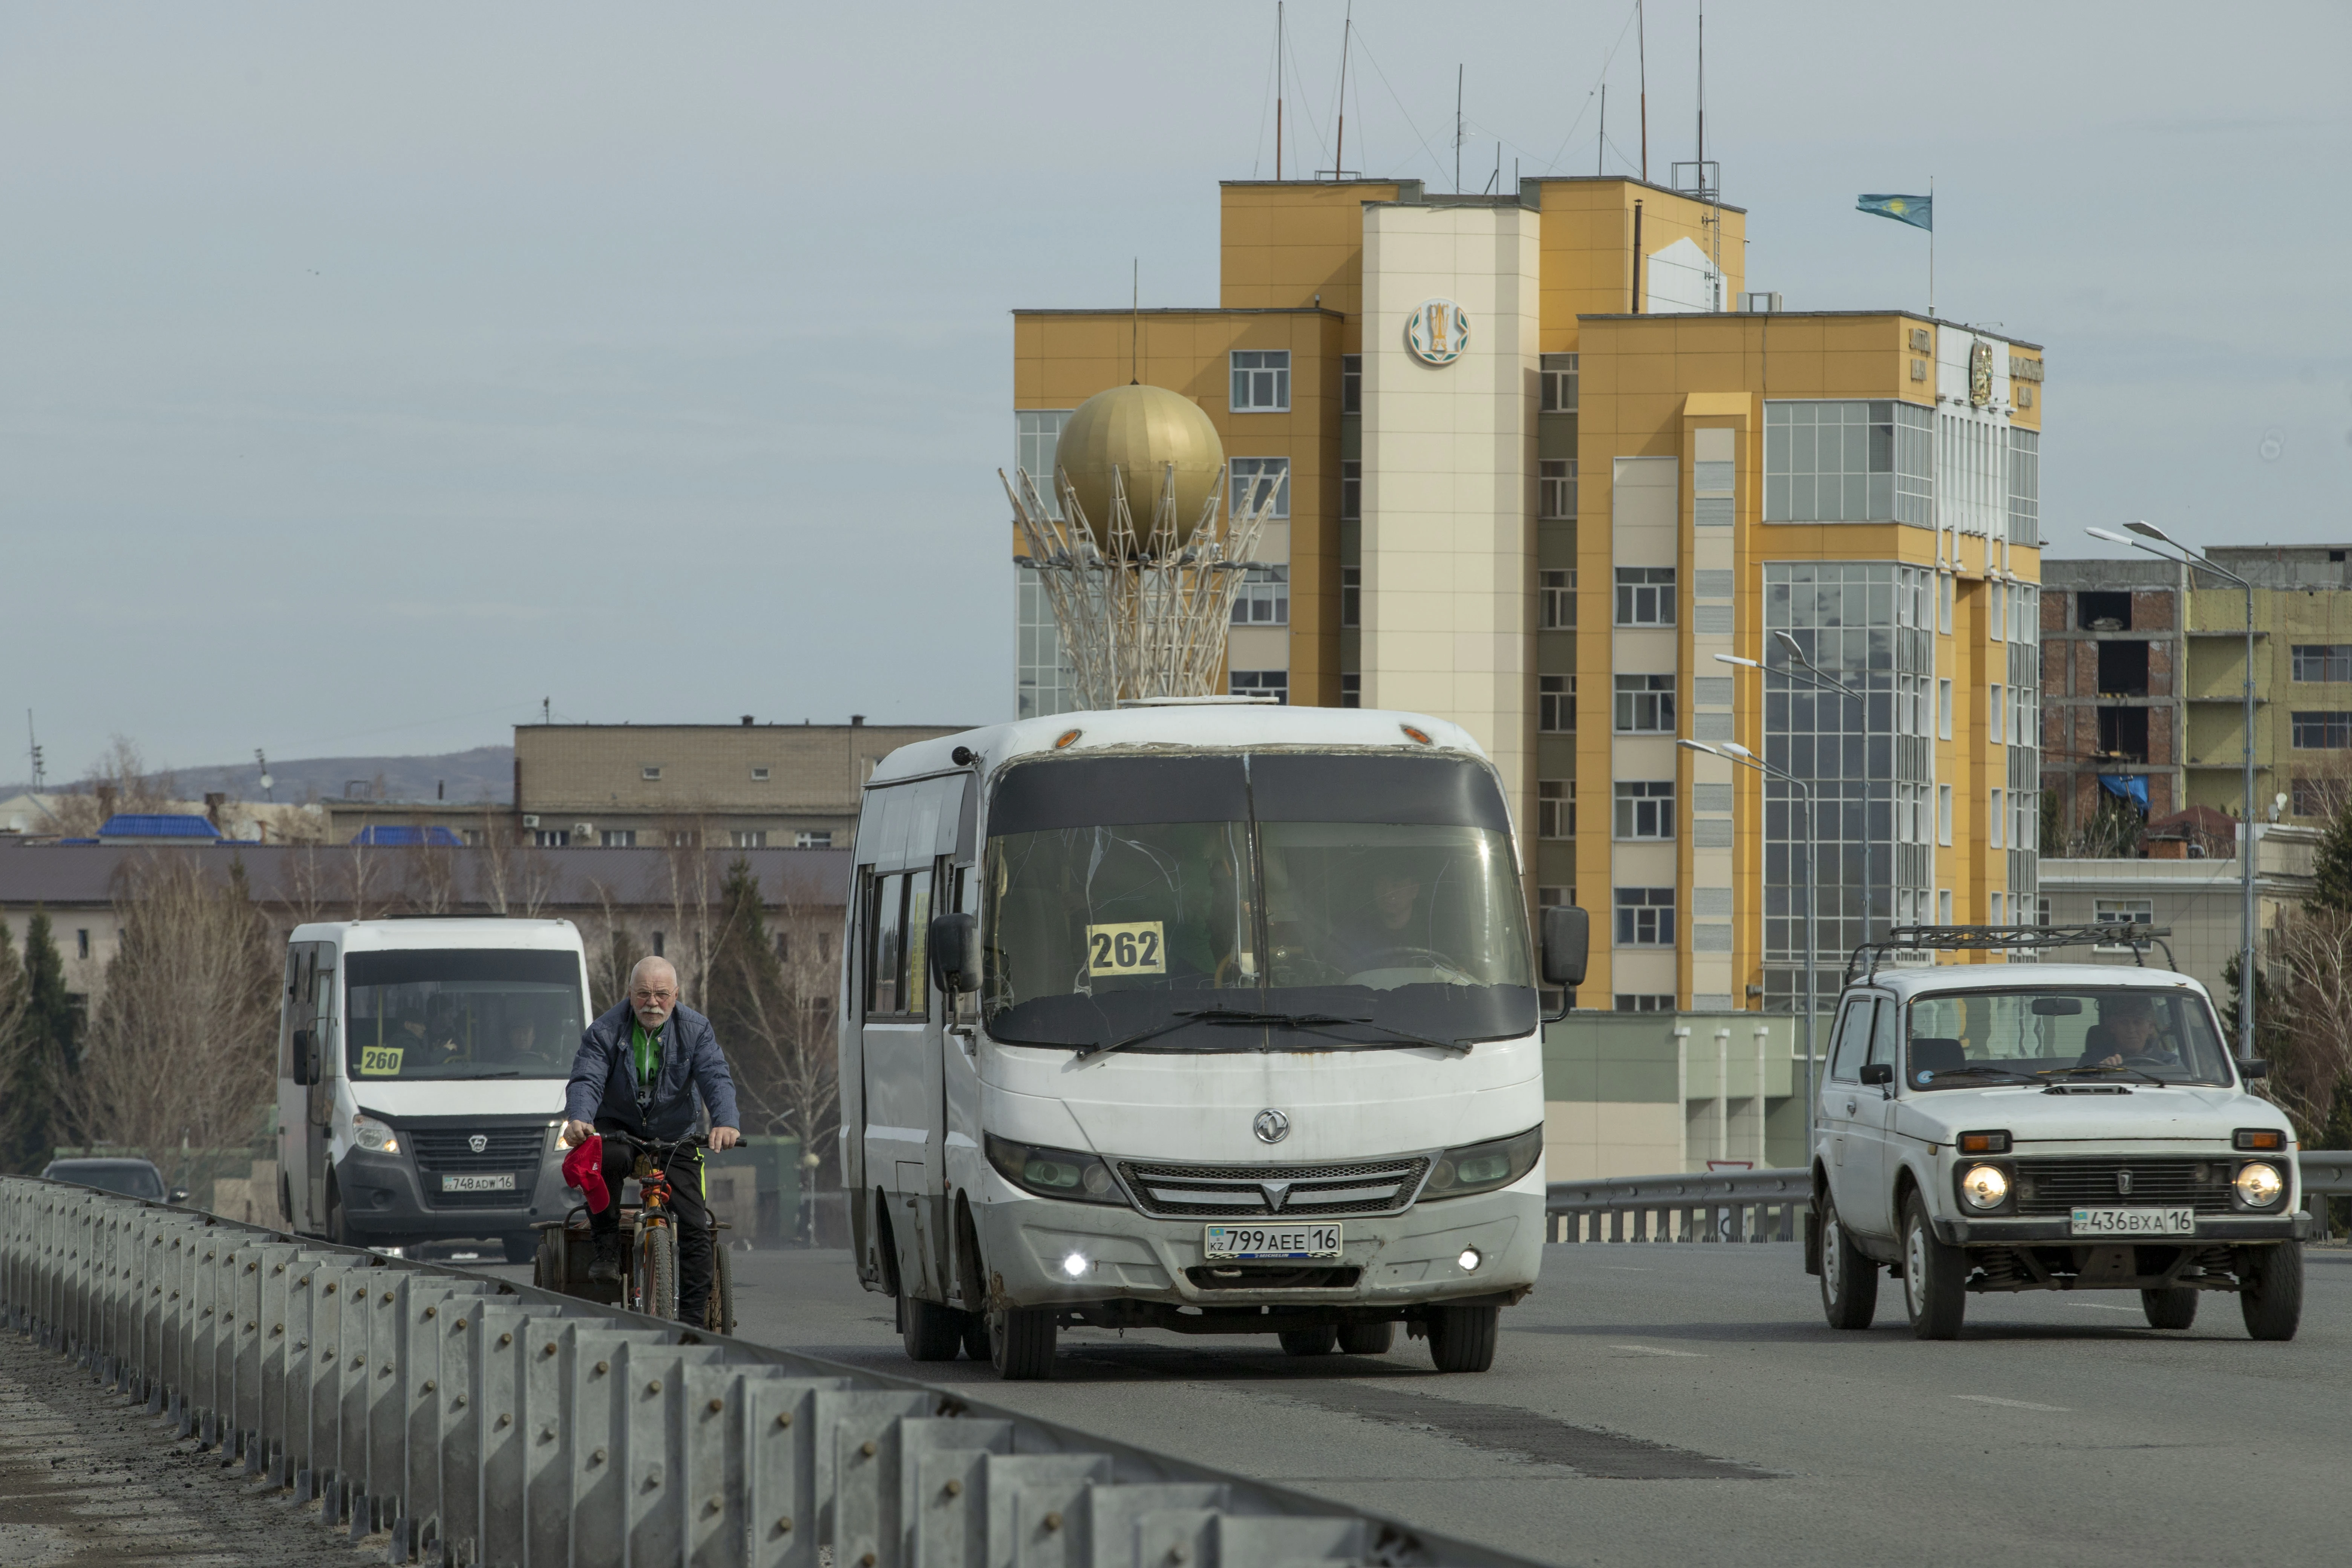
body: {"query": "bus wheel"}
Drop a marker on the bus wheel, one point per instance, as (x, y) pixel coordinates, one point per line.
(1308, 1341)
(1367, 1339)
(928, 1330)
(1461, 1339)
(1021, 1343)
(975, 1335)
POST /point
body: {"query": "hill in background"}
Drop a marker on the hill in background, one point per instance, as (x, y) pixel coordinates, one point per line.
(485, 772)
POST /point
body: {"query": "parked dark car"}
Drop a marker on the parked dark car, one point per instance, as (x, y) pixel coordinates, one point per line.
(132, 1178)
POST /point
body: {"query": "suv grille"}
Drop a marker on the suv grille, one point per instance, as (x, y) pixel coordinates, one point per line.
(2056, 1187)
(445, 1151)
(1312, 1191)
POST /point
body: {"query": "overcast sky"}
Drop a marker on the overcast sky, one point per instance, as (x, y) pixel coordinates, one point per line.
(369, 374)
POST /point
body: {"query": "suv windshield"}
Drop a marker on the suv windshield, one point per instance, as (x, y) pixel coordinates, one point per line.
(1359, 898)
(1970, 1038)
(445, 1013)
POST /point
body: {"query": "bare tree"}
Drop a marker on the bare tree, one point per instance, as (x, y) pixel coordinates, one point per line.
(784, 1046)
(612, 949)
(431, 878)
(693, 886)
(2307, 986)
(119, 781)
(181, 1050)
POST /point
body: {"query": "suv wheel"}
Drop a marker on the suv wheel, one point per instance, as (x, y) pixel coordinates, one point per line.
(2175, 1308)
(2270, 1291)
(1934, 1276)
(1849, 1280)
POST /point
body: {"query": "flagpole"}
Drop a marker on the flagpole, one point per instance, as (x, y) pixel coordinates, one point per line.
(1931, 247)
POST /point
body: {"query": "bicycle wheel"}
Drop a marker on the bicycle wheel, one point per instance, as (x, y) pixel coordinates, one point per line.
(719, 1316)
(655, 1281)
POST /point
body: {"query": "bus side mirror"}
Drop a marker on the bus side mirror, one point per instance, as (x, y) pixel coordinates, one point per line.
(306, 1056)
(955, 952)
(1566, 939)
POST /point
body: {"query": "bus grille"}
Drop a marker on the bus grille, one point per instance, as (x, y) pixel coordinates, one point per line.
(444, 1150)
(2058, 1186)
(1309, 1191)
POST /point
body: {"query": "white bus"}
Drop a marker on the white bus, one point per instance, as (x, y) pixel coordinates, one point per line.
(1203, 1017)
(421, 1065)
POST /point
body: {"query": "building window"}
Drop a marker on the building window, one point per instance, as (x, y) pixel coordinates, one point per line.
(1555, 600)
(81, 942)
(1254, 479)
(1645, 704)
(1556, 489)
(2322, 732)
(1944, 906)
(620, 838)
(1555, 898)
(550, 837)
(1847, 462)
(1044, 678)
(1352, 384)
(749, 838)
(1645, 596)
(1037, 437)
(2121, 912)
(1994, 819)
(759, 776)
(649, 772)
(2316, 797)
(1993, 711)
(1261, 381)
(818, 838)
(1265, 598)
(1645, 808)
(1944, 706)
(1556, 704)
(1645, 917)
(1944, 607)
(1630, 1002)
(1351, 690)
(1999, 916)
(1558, 372)
(2025, 487)
(1352, 596)
(1273, 683)
(1351, 490)
(1556, 808)
(1943, 814)
(2315, 660)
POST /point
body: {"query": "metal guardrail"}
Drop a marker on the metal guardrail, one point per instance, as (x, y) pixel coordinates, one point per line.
(480, 1422)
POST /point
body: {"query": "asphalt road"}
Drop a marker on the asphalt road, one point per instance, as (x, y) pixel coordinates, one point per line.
(1687, 1404)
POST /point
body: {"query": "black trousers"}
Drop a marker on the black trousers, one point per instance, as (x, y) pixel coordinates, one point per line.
(687, 1207)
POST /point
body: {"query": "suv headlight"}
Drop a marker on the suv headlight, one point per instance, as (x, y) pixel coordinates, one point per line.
(374, 1136)
(1483, 1167)
(1053, 1173)
(2260, 1184)
(1984, 1186)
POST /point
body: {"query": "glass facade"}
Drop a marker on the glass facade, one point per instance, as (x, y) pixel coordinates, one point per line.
(1848, 462)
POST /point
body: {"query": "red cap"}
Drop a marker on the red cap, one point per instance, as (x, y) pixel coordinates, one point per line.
(584, 1168)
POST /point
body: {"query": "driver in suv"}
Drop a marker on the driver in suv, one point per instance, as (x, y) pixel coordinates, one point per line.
(2128, 1032)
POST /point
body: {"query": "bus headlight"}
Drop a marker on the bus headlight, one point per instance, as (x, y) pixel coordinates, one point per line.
(1483, 1167)
(1985, 1186)
(2260, 1184)
(1053, 1173)
(374, 1136)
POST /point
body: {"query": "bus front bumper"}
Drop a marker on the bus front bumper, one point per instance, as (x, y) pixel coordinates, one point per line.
(1040, 1252)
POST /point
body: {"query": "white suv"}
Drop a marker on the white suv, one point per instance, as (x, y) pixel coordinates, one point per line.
(2048, 1128)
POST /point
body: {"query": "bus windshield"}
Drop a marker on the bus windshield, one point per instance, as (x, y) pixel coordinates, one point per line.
(463, 1013)
(1236, 901)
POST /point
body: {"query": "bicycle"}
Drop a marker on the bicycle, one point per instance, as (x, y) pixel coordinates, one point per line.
(651, 1286)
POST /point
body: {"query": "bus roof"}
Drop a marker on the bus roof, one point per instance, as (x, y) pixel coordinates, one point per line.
(450, 931)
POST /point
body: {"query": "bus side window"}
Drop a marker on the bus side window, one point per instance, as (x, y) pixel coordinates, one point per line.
(1853, 1036)
(882, 956)
(914, 987)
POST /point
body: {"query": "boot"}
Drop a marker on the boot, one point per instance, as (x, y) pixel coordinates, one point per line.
(606, 1269)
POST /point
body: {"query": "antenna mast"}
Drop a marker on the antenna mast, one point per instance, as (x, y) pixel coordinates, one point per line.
(1642, 49)
(1135, 322)
(1457, 130)
(1278, 91)
(1601, 147)
(33, 741)
(1339, 142)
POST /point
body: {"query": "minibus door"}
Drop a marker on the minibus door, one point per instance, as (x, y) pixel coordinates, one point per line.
(902, 1089)
(320, 1103)
(299, 1010)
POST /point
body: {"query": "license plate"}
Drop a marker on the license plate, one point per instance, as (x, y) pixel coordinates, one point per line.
(501, 1182)
(2135, 1222)
(1270, 1241)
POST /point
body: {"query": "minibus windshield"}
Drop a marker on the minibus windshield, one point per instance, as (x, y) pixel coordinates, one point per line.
(463, 1013)
(1230, 903)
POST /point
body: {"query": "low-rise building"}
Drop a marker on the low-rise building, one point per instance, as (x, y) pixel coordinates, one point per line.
(2200, 900)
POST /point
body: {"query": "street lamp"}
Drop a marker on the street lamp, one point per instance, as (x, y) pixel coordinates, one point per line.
(1740, 756)
(1805, 668)
(2195, 561)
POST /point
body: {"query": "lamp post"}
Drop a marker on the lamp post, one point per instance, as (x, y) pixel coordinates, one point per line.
(1805, 668)
(1740, 756)
(2195, 561)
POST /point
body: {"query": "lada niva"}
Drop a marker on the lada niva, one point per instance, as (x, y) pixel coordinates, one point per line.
(2051, 1127)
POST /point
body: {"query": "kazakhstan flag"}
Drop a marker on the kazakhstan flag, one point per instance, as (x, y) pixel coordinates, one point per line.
(1919, 212)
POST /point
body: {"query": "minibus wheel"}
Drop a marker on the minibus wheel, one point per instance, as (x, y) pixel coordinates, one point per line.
(1461, 1339)
(1367, 1339)
(1021, 1343)
(1308, 1341)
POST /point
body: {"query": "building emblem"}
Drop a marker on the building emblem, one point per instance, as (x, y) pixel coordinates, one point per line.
(477, 1144)
(1271, 1126)
(1980, 373)
(1437, 332)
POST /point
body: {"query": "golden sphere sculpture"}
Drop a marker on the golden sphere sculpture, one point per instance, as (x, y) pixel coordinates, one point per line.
(1139, 430)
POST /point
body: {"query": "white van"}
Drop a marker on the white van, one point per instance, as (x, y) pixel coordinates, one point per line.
(1212, 1019)
(421, 1065)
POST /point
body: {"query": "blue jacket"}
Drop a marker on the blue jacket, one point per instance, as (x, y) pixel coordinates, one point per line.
(604, 1076)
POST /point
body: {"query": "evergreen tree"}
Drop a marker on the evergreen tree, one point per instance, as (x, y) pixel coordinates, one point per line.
(2332, 868)
(41, 1048)
(745, 977)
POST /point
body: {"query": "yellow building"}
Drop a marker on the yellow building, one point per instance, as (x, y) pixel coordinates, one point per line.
(1543, 468)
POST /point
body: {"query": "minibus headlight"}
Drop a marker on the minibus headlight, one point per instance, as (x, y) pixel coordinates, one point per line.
(374, 1136)
(1483, 1167)
(1053, 1173)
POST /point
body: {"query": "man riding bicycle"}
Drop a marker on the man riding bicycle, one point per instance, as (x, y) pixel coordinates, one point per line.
(640, 1070)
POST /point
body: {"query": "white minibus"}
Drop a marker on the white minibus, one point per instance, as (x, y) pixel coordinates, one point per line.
(1201, 1016)
(421, 1065)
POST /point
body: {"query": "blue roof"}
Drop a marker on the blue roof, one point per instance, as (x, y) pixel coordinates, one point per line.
(391, 837)
(139, 825)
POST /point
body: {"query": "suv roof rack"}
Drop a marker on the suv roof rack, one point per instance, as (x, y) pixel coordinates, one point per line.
(1986, 939)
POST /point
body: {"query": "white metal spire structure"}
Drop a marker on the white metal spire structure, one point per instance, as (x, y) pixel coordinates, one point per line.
(1146, 616)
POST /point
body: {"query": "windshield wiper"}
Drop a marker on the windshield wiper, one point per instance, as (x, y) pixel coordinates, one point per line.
(2144, 1074)
(1980, 1069)
(1244, 1017)
(1178, 1019)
